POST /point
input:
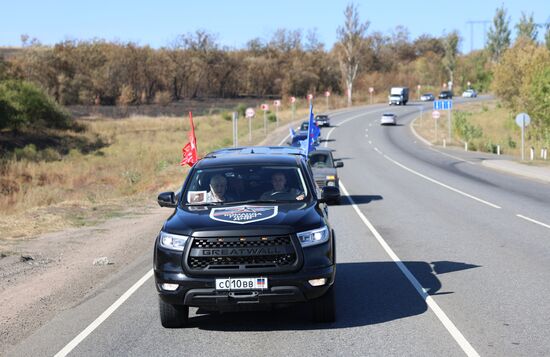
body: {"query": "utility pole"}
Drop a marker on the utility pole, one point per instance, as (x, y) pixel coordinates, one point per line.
(472, 23)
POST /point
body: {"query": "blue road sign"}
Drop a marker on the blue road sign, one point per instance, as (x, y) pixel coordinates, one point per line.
(443, 105)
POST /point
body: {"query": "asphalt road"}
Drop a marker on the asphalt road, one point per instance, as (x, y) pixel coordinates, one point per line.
(437, 256)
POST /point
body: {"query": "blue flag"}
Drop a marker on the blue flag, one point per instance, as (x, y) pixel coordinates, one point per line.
(303, 145)
(311, 131)
(292, 132)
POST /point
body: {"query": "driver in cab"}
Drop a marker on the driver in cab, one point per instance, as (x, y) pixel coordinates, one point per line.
(280, 190)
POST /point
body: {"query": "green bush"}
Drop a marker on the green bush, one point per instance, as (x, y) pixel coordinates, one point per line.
(22, 104)
(227, 116)
(241, 109)
(28, 152)
(271, 117)
(464, 129)
(511, 143)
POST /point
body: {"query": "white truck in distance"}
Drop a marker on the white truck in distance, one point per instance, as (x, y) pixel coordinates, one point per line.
(399, 95)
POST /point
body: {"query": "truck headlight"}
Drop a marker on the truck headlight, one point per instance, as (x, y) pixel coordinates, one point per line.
(172, 241)
(330, 177)
(313, 237)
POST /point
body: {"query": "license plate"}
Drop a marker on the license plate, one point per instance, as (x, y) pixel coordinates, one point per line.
(241, 284)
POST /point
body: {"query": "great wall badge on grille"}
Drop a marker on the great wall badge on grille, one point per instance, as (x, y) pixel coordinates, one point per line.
(243, 214)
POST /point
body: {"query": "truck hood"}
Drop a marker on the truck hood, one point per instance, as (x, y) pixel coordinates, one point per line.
(243, 220)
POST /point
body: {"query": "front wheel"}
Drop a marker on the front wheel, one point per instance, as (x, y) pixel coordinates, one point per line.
(324, 308)
(173, 316)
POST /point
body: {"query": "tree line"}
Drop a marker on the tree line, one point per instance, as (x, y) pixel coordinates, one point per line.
(290, 63)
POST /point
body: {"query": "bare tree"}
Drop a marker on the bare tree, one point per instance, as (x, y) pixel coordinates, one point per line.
(351, 42)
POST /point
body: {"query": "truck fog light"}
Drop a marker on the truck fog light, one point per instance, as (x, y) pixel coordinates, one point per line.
(169, 287)
(318, 282)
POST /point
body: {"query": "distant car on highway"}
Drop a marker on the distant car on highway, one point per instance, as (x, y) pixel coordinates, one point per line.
(322, 120)
(470, 93)
(427, 97)
(446, 94)
(388, 119)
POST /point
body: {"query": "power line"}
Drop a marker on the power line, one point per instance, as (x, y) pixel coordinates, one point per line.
(478, 22)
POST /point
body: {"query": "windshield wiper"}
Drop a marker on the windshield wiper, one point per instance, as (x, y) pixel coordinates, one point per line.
(205, 204)
(262, 201)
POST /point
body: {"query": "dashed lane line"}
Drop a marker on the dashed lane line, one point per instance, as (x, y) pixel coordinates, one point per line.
(442, 184)
(533, 221)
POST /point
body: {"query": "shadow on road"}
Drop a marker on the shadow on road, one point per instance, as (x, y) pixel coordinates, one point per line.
(366, 294)
(359, 199)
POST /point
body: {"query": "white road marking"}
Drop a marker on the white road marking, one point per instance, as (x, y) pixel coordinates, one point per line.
(88, 330)
(533, 220)
(378, 151)
(366, 135)
(370, 142)
(442, 184)
(449, 325)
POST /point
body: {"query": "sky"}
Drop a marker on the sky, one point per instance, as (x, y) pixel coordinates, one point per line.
(159, 22)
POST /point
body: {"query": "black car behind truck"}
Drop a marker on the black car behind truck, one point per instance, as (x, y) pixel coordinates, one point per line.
(265, 244)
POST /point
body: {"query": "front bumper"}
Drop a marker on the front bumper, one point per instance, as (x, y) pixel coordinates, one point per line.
(282, 289)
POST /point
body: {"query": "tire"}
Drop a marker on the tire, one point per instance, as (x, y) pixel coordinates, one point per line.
(324, 308)
(173, 316)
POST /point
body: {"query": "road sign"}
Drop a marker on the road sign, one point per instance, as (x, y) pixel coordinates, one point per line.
(327, 94)
(371, 89)
(436, 114)
(292, 99)
(264, 107)
(250, 112)
(443, 105)
(523, 119)
(309, 96)
(277, 103)
(418, 86)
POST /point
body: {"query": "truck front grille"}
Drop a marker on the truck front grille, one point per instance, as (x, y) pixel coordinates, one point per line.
(241, 253)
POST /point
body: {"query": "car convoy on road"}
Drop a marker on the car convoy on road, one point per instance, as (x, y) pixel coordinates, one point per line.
(250, 228)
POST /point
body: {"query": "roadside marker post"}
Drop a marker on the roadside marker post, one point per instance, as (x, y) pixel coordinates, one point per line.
(371, 90)
(277, 104)
(293, 102)
(235, 129)
(250, 113)
(265, 108)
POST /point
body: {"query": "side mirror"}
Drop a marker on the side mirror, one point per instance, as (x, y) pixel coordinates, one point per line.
(167, 199)
(330, 194)
(339, 164)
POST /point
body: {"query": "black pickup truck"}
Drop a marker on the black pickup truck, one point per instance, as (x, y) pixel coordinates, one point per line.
(249, 227)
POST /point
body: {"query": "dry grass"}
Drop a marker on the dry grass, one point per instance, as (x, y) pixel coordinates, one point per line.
(139, 157)
(497, 124)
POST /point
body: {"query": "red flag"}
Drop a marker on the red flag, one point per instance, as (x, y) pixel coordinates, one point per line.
(190, 149)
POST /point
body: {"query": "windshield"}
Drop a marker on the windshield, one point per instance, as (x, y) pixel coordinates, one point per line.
(246, 184)
(320, 159)
(304, 126)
